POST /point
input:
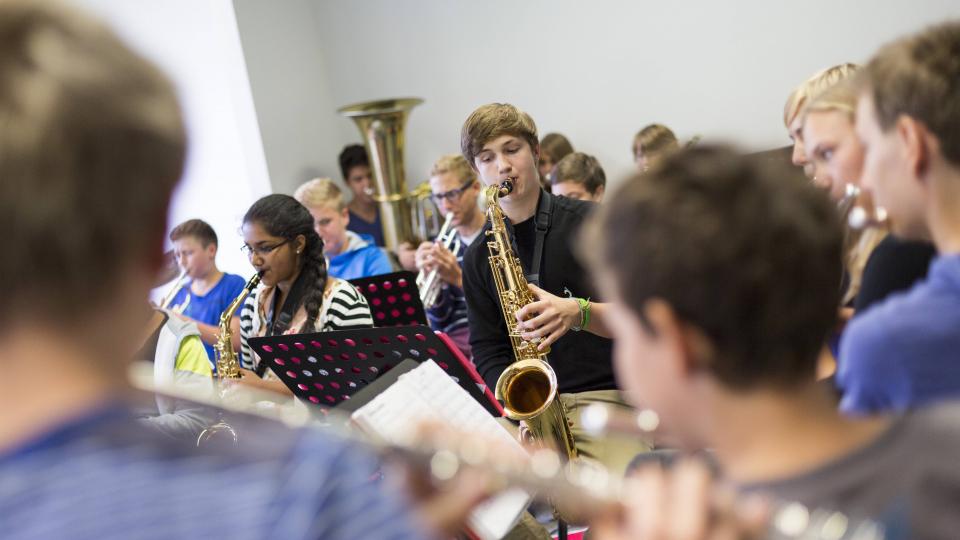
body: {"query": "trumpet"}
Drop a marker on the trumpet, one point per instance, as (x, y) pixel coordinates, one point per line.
(429, 284)
(172, 293)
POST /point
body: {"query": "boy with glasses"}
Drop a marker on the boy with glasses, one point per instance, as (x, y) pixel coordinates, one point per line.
(455, 191)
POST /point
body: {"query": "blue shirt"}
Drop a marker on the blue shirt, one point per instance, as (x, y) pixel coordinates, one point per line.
(360, 259)
(207, 308)
(104, 476)
(365, 228)
(905, 352)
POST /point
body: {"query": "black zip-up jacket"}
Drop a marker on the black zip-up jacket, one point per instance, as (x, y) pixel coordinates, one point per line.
(581, 360)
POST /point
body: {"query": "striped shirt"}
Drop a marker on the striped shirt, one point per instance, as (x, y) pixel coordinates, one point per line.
(343, 308)
(449, 313)
(106, 477)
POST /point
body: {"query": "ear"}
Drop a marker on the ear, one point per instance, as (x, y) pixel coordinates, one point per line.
(536, 153)
(346, 216)
(916, 146)
(684, 342)
(299, 243)
(598, 194)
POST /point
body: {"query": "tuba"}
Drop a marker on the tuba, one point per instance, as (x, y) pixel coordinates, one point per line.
(429, 284)
(528, 386)
(228, 366)
(381, 123)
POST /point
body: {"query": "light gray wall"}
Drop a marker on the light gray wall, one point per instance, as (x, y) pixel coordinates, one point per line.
(289, 80)
(595, 71)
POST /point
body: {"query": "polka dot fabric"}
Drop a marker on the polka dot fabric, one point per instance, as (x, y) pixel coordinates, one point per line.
(328, 367)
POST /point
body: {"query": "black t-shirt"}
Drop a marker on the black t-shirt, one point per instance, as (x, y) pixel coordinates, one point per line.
(581, 360)
(894, 265)
(907, 479)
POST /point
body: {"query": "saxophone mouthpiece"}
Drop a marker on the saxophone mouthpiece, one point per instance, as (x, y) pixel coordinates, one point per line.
(506, 187)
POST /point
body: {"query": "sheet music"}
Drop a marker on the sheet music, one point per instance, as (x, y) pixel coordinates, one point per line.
(428, 393)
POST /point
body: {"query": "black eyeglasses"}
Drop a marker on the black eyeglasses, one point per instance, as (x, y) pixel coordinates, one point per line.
(262, 251)
(453, 195)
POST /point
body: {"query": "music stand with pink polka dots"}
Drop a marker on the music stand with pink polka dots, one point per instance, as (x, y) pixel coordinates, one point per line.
(394, 299)
(326, 368)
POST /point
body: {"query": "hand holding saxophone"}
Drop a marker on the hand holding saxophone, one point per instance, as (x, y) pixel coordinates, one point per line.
(548, 318)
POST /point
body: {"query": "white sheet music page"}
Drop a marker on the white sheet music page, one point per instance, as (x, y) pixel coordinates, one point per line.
(428, 393)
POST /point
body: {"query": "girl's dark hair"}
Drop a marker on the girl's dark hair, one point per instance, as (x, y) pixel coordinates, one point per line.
(283, 216)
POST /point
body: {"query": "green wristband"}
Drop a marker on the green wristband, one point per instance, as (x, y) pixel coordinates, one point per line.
(584, 312)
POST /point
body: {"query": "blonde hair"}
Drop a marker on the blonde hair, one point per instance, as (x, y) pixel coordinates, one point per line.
(859, 248)
(320, 192)
(841, 97)
(454, 164)
(811, 89)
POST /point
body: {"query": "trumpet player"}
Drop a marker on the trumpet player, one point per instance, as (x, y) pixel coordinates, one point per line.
(500, 143)
(209, 290)
(455, 189)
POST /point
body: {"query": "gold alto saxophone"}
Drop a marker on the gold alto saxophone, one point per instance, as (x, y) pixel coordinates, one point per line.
(528, 386)
(228, 366)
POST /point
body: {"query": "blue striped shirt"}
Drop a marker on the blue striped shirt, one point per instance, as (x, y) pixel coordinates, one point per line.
(449, 313)
(107, 477)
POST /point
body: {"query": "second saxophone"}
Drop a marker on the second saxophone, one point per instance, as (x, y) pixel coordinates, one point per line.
(228, 365)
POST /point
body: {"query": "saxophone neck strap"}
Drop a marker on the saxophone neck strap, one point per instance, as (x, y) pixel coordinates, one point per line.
(543, 219)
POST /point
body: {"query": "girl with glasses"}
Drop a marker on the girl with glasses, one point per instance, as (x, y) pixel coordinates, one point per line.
(295, 295)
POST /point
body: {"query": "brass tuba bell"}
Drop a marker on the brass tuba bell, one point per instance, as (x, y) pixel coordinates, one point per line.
(381, 124)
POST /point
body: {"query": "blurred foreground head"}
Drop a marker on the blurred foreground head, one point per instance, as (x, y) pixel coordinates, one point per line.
(91, 146)
(723, 269)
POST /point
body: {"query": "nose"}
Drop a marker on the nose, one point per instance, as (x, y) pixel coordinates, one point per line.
(799, 156)
(503, 164)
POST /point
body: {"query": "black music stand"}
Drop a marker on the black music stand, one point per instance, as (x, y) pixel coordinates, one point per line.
(394, 299)
(328, 367)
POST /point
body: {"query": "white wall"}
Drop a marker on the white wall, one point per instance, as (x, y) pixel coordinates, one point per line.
(595, 71)
(197, 44)
(286, 61)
